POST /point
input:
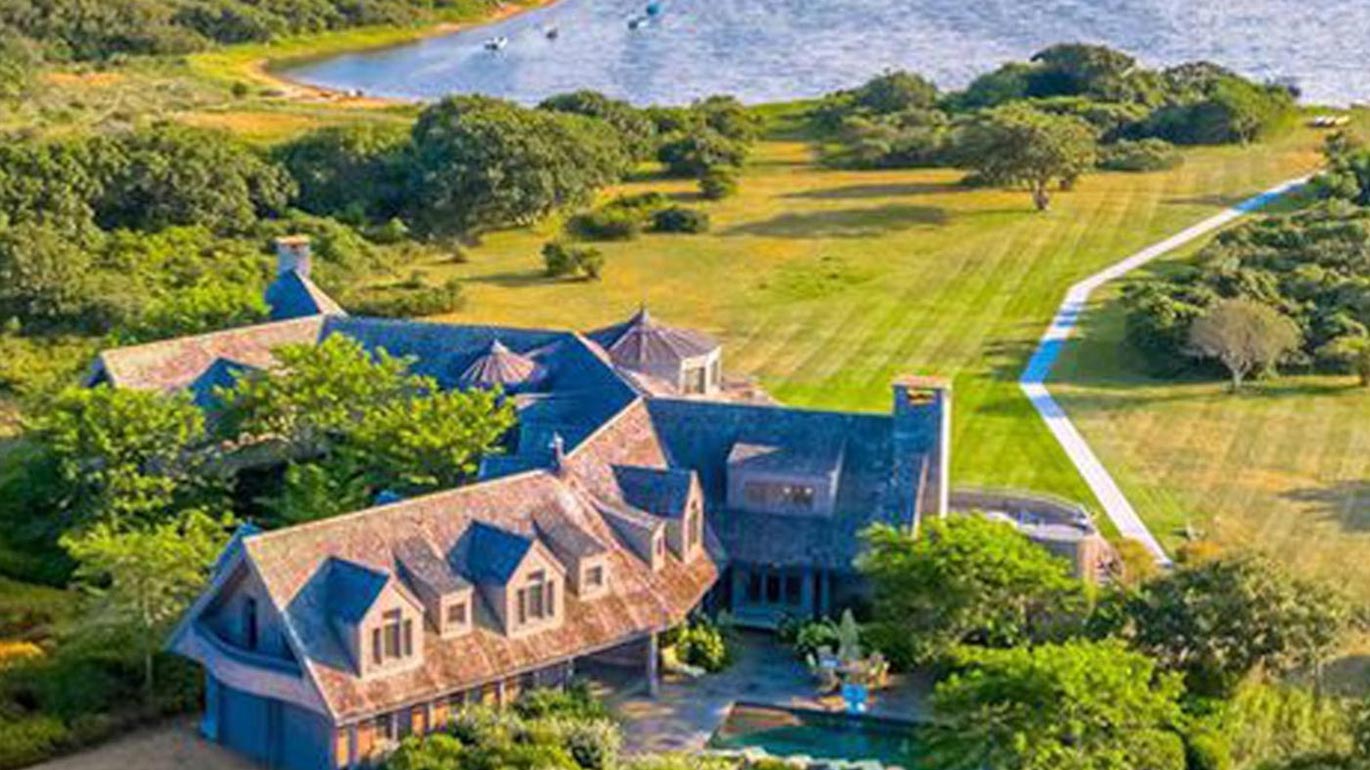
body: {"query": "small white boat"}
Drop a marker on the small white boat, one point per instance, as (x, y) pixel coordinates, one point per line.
(638, 22)
(496, 43)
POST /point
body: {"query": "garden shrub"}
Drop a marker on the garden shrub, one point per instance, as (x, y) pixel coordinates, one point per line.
(718, 182)
(701, 643)
(570, 261)
(813, 635)
(410, 299)
(679, 219)
(575, 700)
(594, 744)
(26, 740)
(606, 224)
(1206, 748)
(1140, 155)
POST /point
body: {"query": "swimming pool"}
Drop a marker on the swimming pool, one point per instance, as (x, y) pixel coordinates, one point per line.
(821, 735)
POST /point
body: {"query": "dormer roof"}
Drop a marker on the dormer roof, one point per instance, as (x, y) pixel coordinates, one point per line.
(353, 589)
(568, 542)
(660, 491)
(222, 373)
(420, 562)
(498, 366)
(492, 554)
(643, 343)
(294, 295)
(818, 458)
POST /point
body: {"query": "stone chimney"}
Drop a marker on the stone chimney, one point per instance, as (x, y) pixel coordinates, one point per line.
(922, 445)
(293, 255)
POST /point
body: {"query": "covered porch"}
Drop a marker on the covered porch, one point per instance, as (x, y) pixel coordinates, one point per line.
(761, 596)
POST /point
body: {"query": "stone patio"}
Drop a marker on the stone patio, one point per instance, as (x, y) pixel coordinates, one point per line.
(686, 712)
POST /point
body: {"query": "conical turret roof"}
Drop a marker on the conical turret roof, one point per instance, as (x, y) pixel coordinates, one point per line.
(642, 342)
(502, 367)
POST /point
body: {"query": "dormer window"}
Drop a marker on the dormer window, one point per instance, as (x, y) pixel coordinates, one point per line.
(537, 599)
(594, 577)
(696, 529)
(250, 632)
(393, 639)
(456, 614)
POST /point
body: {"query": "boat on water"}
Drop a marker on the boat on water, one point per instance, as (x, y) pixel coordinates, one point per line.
(653, 9)
(552, 33)
(638, 22)
(496, 43)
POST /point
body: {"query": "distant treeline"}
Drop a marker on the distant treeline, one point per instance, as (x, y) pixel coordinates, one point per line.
(900, 119)
(90, 30)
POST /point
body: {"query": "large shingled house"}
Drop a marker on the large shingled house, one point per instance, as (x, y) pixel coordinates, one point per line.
(641, 484)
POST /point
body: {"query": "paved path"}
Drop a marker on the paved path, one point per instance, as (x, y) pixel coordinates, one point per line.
(1034, 377)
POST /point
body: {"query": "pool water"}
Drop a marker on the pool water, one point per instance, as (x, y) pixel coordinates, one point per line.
(786, 732)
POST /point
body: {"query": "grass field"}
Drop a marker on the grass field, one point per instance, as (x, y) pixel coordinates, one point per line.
(1283, 467)
(825, 284)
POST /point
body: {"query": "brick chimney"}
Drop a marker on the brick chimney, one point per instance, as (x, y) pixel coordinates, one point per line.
(293, 255)
(922, 445)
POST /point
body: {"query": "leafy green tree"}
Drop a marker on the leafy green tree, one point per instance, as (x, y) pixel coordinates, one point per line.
(635, 130)
(124, 457)
(321, 489)
(482, 163)
(1070, 69)
(1220, 620)
(1008, 83)
(44, 276)
(966, 580)
(315, 393)
(429, 440)
(18, 60)
(1245, 336)
(694, 153)
(562, 260)
(170, 174)
(144, 577)
(897, 91)
(1019, 145)
(355, 171)
(728, 117)
(1079, 705)
(203, 307)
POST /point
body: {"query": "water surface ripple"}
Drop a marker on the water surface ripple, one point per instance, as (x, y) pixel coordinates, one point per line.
(767, 50)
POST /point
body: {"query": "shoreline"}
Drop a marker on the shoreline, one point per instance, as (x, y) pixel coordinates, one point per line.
(264, 70)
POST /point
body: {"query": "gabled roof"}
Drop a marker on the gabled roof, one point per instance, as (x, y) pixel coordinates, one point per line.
(642, 343)
(661, 491)
(223, 373)
(353, 589)
(294, 295)
(491, 554)
(567, 540)
(421, 563)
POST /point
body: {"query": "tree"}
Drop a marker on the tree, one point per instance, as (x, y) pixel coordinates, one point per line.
(694, 153)
(572, 261)
(170, 174)
(321, 489)
(125, 457)
(355, 171)
(44, 276)
(316, 393)
(897, 91)
(1080, 705)
(482, 163)
(144, 577)
(429, 439)
(1019, 145)
(967, 579)
(635, 130)
(1070, 69)
(18, 61)
(1245, 336)
(1219, 620)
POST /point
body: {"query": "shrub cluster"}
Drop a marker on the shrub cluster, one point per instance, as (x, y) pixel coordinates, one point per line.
(700, 643)
(1140, 155)
(572, 261)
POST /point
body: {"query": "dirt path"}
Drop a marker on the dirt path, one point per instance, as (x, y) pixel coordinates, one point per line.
(173, 746)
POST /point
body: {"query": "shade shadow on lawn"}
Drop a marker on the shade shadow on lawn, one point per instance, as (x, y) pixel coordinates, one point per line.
(845, 223)
(1347, 503)
(887, 190)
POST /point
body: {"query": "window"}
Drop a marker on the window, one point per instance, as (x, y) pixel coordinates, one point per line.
(796, 496)
(754, 493)
(695, 379)
(250, 623)
(660, 547)
(594, 576)
(537, 600)
(394, 639)
(387, 727)
(696, 529)
(715, 373)
(772, 589)
(753, 587)
(456, 614)
(793, 590)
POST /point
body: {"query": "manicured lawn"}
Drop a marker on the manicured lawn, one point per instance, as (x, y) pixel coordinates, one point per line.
(825, 284)
(1283, 467)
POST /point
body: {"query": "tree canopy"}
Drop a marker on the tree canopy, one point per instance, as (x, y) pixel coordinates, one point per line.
(1245, 335)
(1080, 705)
(1022, 146)
(965, 580)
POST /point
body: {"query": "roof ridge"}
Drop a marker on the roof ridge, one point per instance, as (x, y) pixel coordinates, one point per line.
(303, 320)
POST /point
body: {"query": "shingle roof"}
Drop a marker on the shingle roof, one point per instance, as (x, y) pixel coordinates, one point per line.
(641, 342)
(294, 295)
(567, 540)
(811, 459)
(500, 367)
(490, 554)
(223, 373)
(419, 562)
(662, 491)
